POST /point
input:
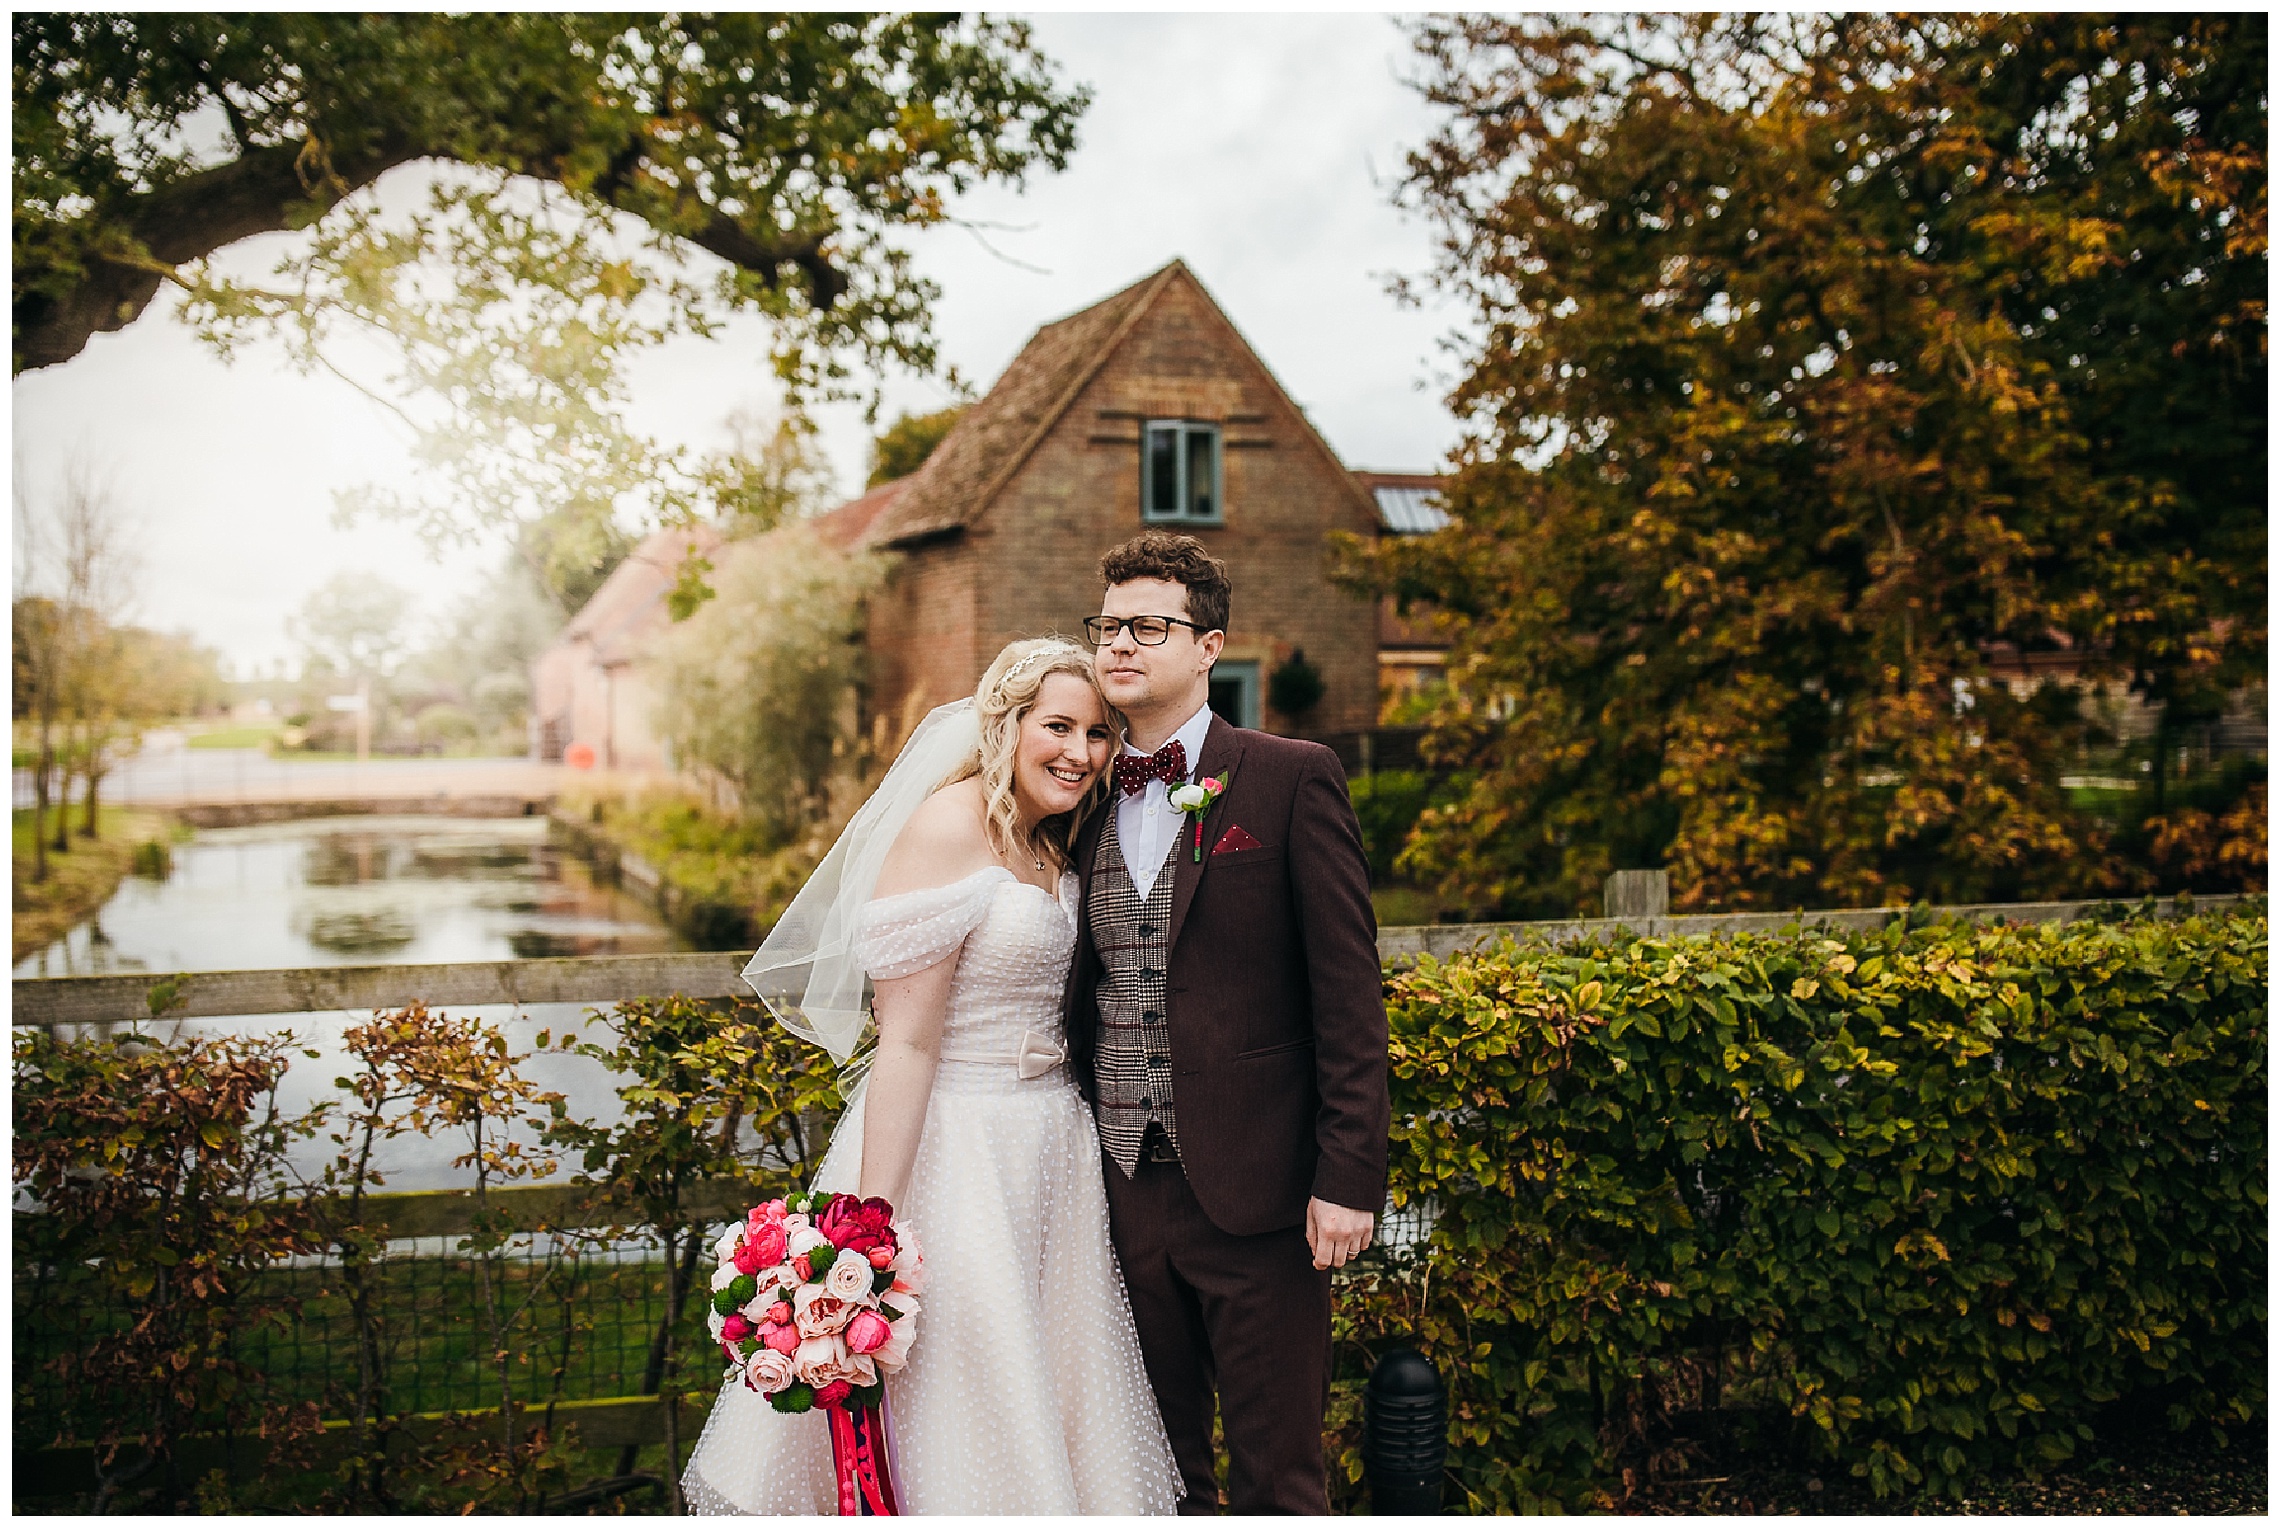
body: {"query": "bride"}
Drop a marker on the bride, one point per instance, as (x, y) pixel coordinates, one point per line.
(952, 890)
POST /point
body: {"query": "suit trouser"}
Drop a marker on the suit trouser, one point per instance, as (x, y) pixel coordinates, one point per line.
(1245, 1316)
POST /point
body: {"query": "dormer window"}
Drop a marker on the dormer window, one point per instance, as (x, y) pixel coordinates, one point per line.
(1179, 473)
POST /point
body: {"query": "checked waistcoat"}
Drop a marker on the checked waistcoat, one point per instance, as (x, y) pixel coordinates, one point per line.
(1132, 1073)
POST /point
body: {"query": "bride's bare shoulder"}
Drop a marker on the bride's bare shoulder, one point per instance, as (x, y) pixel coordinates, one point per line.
(944, 841)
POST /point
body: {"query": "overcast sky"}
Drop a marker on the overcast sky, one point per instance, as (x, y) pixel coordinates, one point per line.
(1261, 149)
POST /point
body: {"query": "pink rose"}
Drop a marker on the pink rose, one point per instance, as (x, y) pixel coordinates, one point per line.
(867, 1332)
(880, 1256)
(770, 1214)
(769, 1371)
(850, 1278)
(901, 1333)
(748, 1258)
(735, 1329)
(780, 1313)
(767, 1248)
(817, 1312)
(833, 1394)
(780, 1339)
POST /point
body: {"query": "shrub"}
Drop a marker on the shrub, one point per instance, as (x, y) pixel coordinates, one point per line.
(1295, 686)
(162, 1174)
(1387, 805)
(758, 685)
(1932, 1200)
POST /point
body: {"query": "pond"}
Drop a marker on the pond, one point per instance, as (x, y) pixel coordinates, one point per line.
(357, 891)
(370, 891)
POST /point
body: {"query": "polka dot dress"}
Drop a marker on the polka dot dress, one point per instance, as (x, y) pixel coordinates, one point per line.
(1024, 1392)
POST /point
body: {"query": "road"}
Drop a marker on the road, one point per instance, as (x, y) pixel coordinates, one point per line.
(168, 774)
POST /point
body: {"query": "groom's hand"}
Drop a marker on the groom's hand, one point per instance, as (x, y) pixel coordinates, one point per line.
(1335, 1234)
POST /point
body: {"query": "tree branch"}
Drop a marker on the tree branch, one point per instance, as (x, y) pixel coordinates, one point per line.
(259, 192)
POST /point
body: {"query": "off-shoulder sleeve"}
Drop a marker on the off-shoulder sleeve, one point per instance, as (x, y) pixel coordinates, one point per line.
(902, 935)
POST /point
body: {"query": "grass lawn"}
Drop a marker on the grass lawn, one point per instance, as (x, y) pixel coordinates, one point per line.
(250, 735)
(593, 1324)
(81, 879)
(1404, 906)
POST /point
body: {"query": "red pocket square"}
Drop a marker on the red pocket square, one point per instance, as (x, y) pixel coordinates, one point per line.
(1232, 840)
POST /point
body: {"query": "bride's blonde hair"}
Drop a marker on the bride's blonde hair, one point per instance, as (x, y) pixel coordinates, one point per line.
(1005, 697)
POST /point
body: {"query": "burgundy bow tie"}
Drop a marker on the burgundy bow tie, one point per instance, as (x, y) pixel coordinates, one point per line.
(1167, 764)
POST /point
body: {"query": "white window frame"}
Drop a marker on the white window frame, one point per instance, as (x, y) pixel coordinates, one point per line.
(1183, 493)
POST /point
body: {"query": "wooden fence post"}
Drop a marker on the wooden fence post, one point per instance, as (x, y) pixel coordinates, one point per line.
(1637, 894)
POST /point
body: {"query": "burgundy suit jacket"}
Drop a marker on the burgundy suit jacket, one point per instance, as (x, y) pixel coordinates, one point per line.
(1276, 1008)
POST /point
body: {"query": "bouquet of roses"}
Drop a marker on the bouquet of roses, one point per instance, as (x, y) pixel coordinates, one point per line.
(814, 1300)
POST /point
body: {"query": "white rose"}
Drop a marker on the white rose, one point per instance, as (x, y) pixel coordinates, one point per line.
(818, 1312)
(850, 1278)
(725, 1248)
(805, 1239)
(769, 1371)
(820, 1360)
(1188, 797)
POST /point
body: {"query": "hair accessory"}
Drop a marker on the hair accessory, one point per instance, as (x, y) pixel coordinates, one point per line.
(1020, 665)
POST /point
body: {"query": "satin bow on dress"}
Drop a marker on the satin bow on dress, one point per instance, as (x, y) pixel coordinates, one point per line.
(1038, 1055)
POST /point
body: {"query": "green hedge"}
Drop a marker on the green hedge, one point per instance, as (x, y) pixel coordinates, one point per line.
(1928, 1202)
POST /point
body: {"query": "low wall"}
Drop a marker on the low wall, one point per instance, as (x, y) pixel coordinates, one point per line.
(246, 814)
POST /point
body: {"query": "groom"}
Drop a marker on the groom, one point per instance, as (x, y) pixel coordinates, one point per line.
(1225, 1018)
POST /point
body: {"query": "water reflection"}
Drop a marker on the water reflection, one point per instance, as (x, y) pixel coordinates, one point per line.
(368, 891)
(357, 891)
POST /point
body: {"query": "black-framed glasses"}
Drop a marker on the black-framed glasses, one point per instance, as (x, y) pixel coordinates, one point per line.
(1147, 630)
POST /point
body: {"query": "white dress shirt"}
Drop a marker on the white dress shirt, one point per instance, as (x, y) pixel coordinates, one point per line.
(1146, 822)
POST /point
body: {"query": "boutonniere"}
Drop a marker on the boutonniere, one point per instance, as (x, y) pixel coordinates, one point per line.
(1195, 799)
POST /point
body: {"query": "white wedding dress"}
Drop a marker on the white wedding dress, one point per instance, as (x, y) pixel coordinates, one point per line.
(1024, 1392)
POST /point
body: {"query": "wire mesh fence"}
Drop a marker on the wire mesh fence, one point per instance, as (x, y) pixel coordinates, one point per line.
(581, 1315)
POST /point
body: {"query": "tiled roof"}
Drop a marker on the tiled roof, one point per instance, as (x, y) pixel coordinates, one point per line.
(631, 601)
(852, 524)
(1000, 430)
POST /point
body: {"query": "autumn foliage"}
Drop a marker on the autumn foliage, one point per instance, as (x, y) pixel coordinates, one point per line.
(1829, 372)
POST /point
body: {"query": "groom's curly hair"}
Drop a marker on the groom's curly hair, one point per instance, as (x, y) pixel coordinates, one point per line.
(1176, 559)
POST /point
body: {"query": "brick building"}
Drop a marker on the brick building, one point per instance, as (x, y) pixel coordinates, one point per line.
(590, 686)
(1146, 409)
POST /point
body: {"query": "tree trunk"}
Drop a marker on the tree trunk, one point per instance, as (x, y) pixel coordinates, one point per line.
(87, 829)
(61, 839)
(43, 770)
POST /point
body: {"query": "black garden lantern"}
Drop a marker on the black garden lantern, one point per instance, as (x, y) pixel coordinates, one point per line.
(1405, 1437)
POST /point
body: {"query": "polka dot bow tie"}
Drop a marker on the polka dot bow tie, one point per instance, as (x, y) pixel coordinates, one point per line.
(1167, 764)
